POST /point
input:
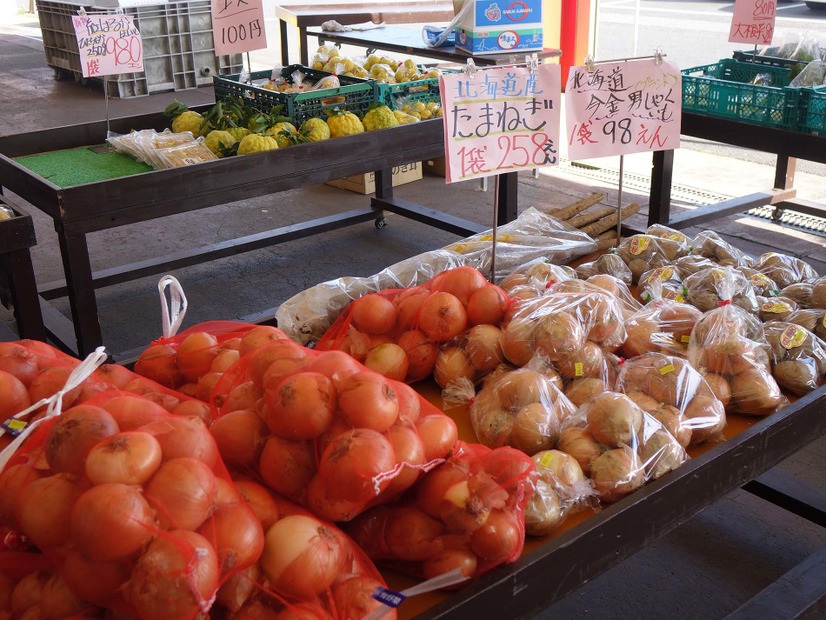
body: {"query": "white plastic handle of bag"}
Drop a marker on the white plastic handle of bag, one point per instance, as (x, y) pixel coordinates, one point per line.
(55, 402)
(172, 314)
(467, 6)
(437, 583)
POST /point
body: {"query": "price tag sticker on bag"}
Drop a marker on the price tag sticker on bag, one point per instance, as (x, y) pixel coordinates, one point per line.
(14, 426)
(667, 369)
(389, 597)
(578, 369)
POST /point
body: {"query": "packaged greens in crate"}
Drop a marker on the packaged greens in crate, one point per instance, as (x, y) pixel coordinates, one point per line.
(814, 110)
(743, 91)
(352, 94)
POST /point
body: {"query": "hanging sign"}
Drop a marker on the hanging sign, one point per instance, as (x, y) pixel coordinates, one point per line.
(500, 120)
(109, 44)
(238, 26)
(753, 22)
(625, 107)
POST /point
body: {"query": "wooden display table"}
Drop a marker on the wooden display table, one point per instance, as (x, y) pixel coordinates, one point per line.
(303, 16)
(16, 237)
(787, 145)
(82, 209)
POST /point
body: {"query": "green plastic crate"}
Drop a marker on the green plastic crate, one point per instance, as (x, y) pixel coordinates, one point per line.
(766, 57)
(425, 90)
(814, 110)
(354, 94)
(724, 90)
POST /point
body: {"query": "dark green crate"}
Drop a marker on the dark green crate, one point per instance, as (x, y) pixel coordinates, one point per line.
(766, 58)
(354, 94)
(814, 110)
(724, 90)
(425, 90)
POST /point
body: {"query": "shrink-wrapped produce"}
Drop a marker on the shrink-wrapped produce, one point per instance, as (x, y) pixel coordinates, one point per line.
(703, 289)
(798, 357)
(783, 269)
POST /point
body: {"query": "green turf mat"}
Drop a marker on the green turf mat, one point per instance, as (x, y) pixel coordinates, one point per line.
(82, 165)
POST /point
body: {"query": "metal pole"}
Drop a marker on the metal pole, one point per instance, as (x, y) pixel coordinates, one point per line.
(619, 200)
(106, 97)
(493, 235)
(249, 65)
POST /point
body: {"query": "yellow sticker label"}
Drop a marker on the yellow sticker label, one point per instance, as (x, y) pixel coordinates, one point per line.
(716, 275)
(675, 236)
(17, 425)
(667, 369)
(665, 273)
(685, 338)
(776, 307)
(638, 245)
(760, 280)
(824, 320)
(578, 369)
(679, 298)
(792, 337)
(546, 459)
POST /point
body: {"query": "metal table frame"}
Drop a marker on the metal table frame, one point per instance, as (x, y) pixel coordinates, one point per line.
(77, 211)
(302, 16)
(787, 145)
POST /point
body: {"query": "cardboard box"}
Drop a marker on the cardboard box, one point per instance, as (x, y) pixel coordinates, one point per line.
(481, 41)
(499, 26)
(366, 183)
(436, 167)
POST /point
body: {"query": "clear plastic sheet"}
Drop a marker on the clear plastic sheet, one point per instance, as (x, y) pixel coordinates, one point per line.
(709, 244)
(644, 252)
(783, 269)
(708, 288)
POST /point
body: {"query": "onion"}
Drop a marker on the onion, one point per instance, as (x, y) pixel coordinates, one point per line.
(287, 466)
(15, 397)
(439, 434)
(535, 428)
(195, 355)
(453, 364)
(616, 473)
(412, 535)
(367, 400)
(113, 375)
(184, 493)
(300, 406)
(389, 360)
(487, 305)
(258, 337)
(74, 434)
(239, 436)
(277, 360)
(448, 560)
(186, 437)
(581, 445)
(13, 482)
(243, 396)
(410, 406)
(236, 535)
(421, 354)
(193, 409)
(442, 317)
(93, 580)
(483, 348)
(160, 363)
(260, 500)
(57, 601)
(409, 450)
(130, 458)
(498, 538)
(302, 556)
(559, 334)
(27, 592)
(517, 341)
(20, 362)
(580, 391)
(237, 589)
(462, 282)
(353, 596)
(587, 362)
(51, 380)
(176, 578)
(373, 314)
(43, 509)
(356, 465)
(111, 522)
(133, 412)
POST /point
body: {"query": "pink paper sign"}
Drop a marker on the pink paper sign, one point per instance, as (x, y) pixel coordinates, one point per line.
(500, 120)
(623, 107)
(109, 44)
(238, 26)
(753, 21)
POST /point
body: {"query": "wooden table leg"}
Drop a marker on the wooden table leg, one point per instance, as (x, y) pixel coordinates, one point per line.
(24, 296)
(285, 43)
(81, 290)
(659, 197)
(783, 179)
(302, 46)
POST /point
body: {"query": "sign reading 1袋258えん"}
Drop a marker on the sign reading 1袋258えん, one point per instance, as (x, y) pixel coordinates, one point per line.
(109, 44)
(500, 120)
(623, 107)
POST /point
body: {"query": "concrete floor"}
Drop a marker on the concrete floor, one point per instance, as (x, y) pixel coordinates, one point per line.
(703, 569)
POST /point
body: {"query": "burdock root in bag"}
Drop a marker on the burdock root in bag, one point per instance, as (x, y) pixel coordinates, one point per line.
(468, 513)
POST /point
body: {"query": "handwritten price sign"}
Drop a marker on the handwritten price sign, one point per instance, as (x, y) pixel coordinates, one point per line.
(753, 21)
(621, 108)
(238, 26)
(108, 44)
(500, 120)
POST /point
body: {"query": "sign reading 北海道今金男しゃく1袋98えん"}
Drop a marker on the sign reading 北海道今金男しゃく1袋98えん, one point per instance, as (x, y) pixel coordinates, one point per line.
(500, 120)
(621, 108)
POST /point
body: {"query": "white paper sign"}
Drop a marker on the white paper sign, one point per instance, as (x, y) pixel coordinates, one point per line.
(622, 108)
(109, 44)
(753, 22)
(238, 26)
(500, 120)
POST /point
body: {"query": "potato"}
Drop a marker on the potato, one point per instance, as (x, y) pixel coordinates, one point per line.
(783, 269)
(706, 418)
(776, 308)
(754, 392)
(719, 386)
(798, 376)
(800, 293)
(818, 296)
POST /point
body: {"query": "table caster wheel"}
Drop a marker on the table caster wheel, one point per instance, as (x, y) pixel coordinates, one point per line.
(381, 222)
